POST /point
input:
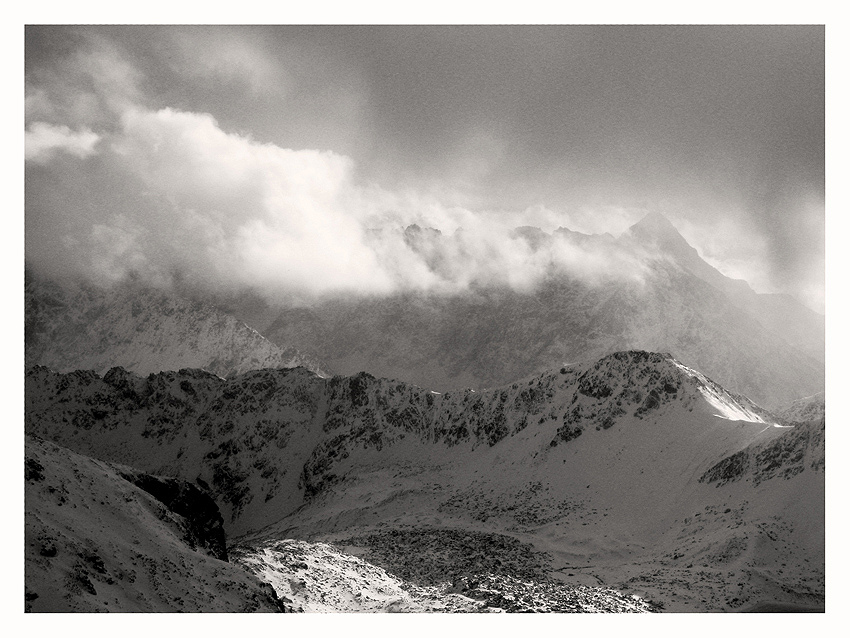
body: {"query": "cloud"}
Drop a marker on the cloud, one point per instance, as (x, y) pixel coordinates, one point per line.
(77, 77)
(248, 213)
(221, 57)
(44, 141)
(475, 129)
(223, 211)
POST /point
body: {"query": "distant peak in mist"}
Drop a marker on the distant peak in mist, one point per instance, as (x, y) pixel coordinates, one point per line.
(657, 227)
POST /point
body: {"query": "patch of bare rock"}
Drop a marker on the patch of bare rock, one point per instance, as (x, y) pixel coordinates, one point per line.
(422, 570)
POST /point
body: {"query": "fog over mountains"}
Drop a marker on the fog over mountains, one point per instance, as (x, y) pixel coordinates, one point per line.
(655, 294)
(498, 448)
(425, 318)
(76, 325)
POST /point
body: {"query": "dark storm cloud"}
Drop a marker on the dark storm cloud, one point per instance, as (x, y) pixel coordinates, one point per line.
(720, 128)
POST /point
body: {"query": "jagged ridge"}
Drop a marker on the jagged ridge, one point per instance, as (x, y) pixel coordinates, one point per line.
(283, 434)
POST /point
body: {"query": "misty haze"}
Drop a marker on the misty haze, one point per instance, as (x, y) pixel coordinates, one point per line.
(424, 319)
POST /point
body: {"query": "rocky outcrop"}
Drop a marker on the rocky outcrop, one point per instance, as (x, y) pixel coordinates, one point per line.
(509, 594)
(428, 555)
(800, 449)
(204, 524)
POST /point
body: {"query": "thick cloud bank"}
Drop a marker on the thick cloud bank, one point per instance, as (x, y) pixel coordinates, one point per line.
(221, 210)
(186, 153)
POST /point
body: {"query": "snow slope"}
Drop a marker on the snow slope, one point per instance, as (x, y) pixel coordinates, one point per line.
(597, 464)
(95, 542)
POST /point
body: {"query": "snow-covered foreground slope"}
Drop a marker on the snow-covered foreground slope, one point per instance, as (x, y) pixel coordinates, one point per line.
(96, 542)
(82, 327)
(596, 465)
(107, 538)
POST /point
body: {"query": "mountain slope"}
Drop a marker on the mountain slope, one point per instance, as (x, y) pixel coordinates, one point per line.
(96, 542)
(491, 336)
(266, 439)
(799, 326)
(596, 465)
(73, 326)
(809, 408)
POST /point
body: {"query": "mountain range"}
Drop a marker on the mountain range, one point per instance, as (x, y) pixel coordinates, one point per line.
(547, 460)
(769, 347)
(650, 437)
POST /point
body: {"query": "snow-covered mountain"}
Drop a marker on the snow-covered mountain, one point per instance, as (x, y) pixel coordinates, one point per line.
(768, 347)
(596, 465)
(71, 326)
(101, 537)
(799, 326)
(809, 408)
(243, 435)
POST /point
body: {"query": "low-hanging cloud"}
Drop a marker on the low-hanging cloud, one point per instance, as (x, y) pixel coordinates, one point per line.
(227, 212)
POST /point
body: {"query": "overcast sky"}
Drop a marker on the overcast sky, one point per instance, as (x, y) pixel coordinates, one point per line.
(271, 149)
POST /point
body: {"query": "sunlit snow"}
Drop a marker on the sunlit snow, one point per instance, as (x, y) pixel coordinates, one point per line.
(727, 407)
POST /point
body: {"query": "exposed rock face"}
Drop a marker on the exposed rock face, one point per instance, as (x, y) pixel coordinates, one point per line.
(204, 524)
(799, 449)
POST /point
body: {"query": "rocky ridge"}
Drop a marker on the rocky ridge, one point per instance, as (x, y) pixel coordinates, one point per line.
(543, 463)
(286, 434)
(783, 457)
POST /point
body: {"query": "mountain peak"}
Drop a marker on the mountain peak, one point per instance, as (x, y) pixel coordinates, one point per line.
(657, 227)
